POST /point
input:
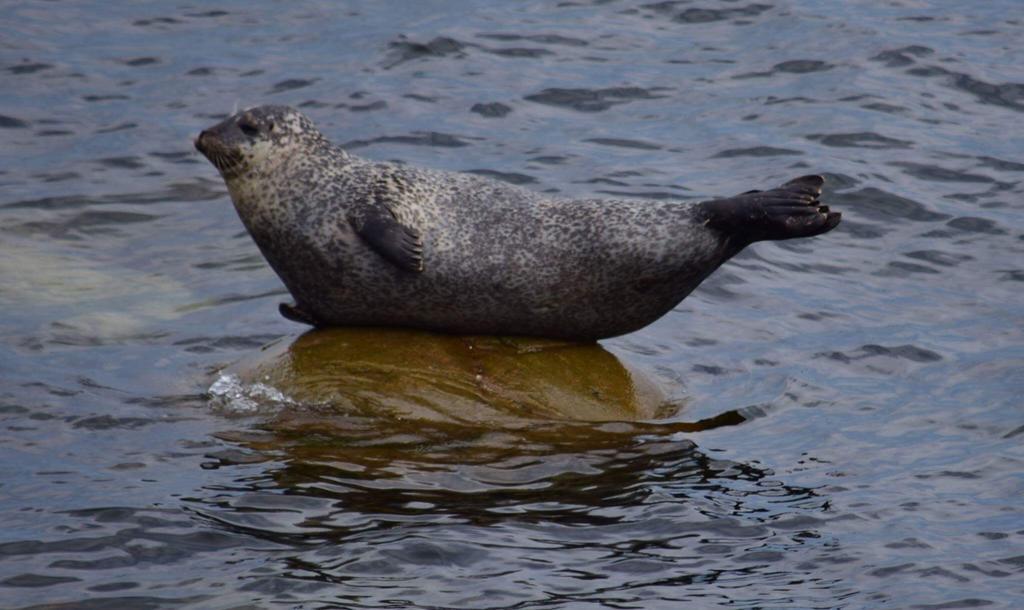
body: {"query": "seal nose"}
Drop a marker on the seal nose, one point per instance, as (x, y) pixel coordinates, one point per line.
(199, 144)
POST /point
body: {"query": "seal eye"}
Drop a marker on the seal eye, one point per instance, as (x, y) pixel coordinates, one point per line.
(270, 127)
(248, 128)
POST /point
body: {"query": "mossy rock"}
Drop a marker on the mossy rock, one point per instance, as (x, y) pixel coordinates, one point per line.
(407, 374)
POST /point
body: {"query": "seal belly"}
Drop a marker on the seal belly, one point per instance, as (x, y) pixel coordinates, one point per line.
(569, 278)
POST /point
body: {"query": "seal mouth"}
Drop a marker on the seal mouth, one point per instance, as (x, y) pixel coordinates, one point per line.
(225, 160)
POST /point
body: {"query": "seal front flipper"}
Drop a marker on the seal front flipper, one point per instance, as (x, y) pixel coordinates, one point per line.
(791, 210)
(396, 242)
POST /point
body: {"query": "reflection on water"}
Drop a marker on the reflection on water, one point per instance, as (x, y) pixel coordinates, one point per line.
(523, 516)
(401, 508)
(831, 423)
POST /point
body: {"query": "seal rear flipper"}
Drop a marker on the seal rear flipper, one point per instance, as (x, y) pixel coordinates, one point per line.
(789, 211)
(391, 239)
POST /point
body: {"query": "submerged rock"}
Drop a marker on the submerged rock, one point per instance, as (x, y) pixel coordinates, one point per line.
(405, 374)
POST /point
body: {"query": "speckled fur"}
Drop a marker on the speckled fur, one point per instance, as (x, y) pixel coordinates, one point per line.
(498, 259)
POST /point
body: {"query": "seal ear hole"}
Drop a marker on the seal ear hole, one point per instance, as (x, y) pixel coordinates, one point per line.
(248, 128)
(270, 126)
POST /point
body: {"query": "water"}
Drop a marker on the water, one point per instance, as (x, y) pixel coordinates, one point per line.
(851, 424)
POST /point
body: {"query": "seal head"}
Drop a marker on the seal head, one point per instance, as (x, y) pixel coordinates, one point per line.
(253, 140)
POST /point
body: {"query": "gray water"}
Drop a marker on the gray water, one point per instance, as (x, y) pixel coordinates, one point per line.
(874, 375)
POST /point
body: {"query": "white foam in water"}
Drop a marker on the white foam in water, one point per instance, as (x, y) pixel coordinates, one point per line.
(233, 395)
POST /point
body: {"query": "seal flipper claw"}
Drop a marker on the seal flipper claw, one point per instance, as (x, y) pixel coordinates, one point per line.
(789, 211)
(295, 314)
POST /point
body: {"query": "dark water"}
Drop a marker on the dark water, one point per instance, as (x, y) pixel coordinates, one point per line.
(874, 376)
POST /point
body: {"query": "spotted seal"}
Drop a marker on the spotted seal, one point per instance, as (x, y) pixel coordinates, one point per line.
(361, 243)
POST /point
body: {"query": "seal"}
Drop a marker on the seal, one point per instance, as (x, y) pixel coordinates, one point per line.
(361, 243)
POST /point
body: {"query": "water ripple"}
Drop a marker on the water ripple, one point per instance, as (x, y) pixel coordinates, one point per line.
(847, 430)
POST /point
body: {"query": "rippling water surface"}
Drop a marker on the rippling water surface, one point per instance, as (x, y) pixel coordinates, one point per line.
(850, 416)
